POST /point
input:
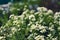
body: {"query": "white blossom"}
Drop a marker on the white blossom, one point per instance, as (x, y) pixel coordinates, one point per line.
(54, 38)
(43, 31)
(49, 12)
(39, 37)
(41, 9)
(32, 11)
(51, 28)
(32, 18)
(49, 35)
(13, 29)
(11, 16)
(56, 15)
(33, 26)
(2, 37)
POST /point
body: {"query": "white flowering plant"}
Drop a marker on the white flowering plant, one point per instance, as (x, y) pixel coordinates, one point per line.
(31, 25)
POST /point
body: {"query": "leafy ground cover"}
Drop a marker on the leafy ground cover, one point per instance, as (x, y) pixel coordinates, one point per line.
(31, 25)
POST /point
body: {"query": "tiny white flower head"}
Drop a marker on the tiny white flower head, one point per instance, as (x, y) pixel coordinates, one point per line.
(15, 22)
(39, 8)
(55, 38)
(32, 11)
(13, 29)
(36, 13)
(39, 37)
(10, 35)
(33, 26)
(19, 29)
(59, 28)
(2, 37)
(49, 35)
(56, 15)
(18, 9)
(18, 25)
(30, 36)
(51, 28)
(25, 6)
(43, 31)
(11, 16)
(25, 12)
(42, 27)
(49, 12)
(22, 17)
(32, 18)
(15, 17)
(42, 9)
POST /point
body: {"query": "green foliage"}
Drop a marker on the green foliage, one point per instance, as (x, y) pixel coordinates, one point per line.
(3, 17)
(31, 25)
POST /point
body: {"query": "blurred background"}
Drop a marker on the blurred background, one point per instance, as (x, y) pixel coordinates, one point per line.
(50, 4)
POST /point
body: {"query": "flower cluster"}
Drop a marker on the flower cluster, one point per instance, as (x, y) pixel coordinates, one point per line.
(31, 25)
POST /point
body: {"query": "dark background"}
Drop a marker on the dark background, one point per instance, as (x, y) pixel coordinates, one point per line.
(4, 1)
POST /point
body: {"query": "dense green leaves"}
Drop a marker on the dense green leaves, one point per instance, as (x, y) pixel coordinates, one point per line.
(31, 25)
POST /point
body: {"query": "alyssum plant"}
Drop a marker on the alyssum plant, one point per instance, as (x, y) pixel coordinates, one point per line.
(31, 25)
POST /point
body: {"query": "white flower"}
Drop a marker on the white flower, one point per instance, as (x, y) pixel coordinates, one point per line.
(13, 29)
(37, 13)
(51, 28)
(11, 16)
(19, 29)
(41, 20)
(43, 31)
(44, 9)
(42, 27)
(49, 35)
(2, 37)
(29, 24)
(18, 25)
(54, 38)
(16, 22)
(32, 18)
(30, 36)
(10, 35)
(41, 9)
(25, 6)
(18, 9)
(25, 12)
(15, 17)
(59, 28)
(22, 17)
(56, 15)
(39, 37)
(32, 11)
(33, 26)
(6, 24)
(49, 12)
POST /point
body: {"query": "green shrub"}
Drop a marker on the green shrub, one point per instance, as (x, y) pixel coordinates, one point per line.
(31, 25)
